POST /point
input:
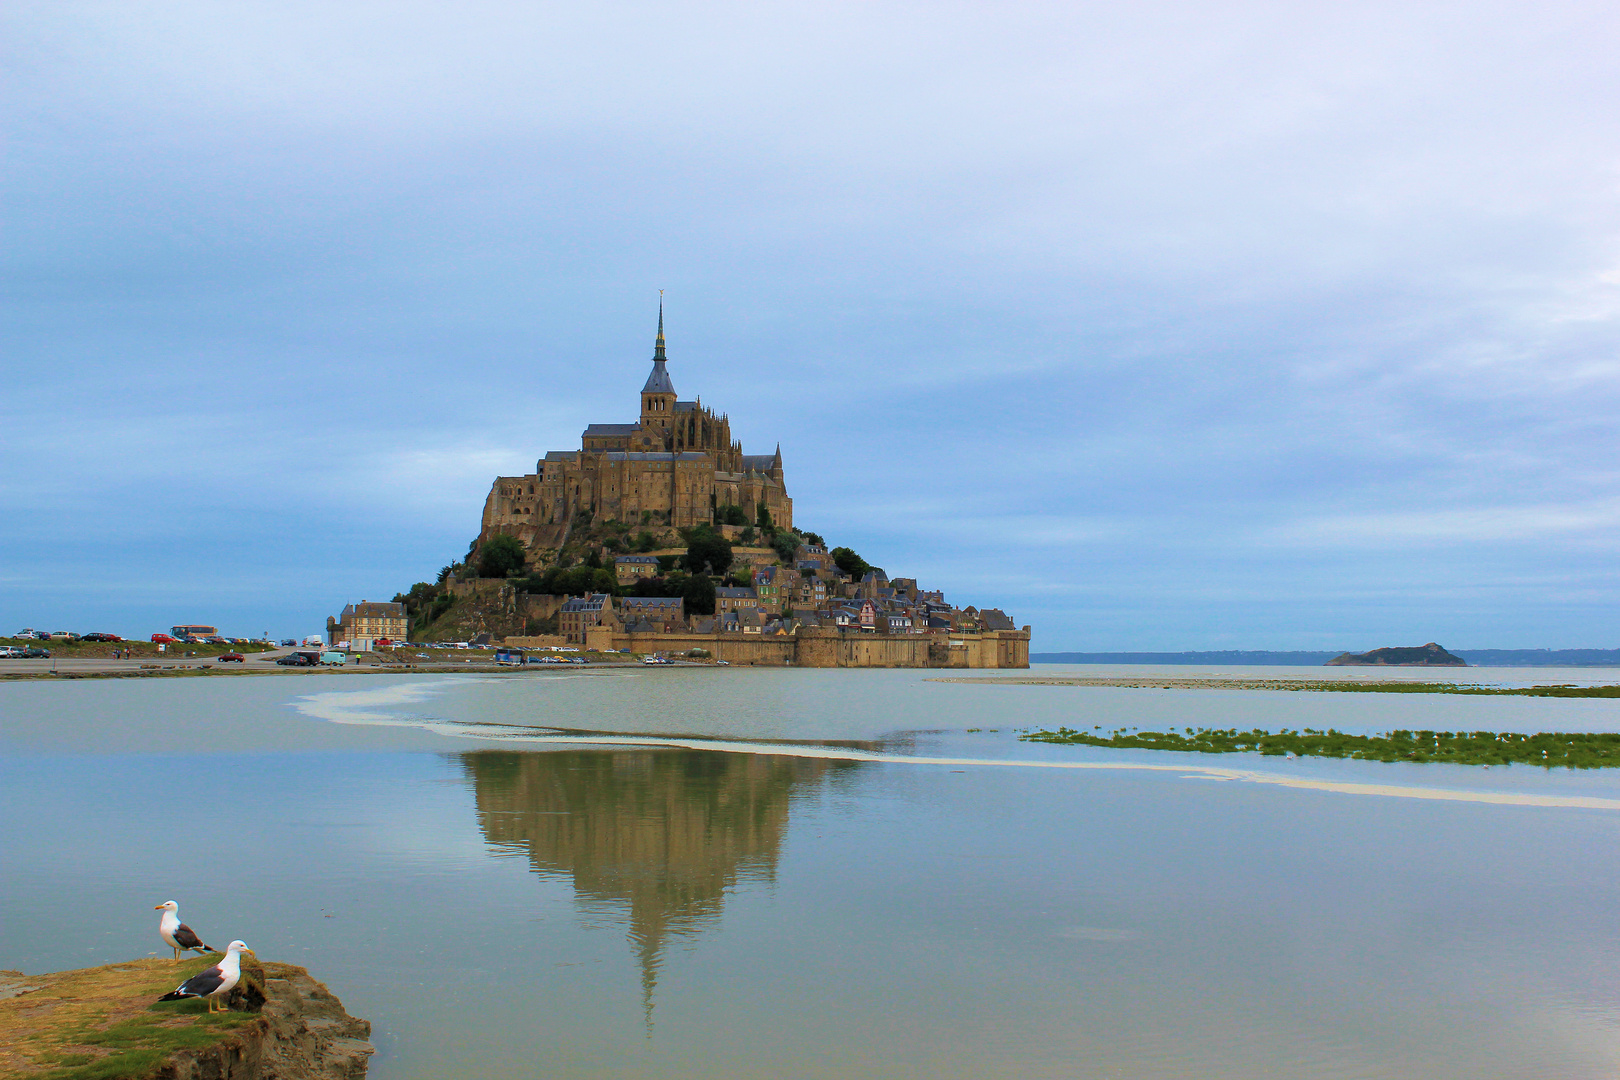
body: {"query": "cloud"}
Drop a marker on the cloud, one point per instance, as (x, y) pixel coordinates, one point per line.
(1066, 305)
(1592, 522)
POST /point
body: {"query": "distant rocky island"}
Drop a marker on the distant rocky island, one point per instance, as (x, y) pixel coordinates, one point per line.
(1430, 655)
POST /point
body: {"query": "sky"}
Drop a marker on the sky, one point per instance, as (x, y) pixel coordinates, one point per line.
(1159, 326)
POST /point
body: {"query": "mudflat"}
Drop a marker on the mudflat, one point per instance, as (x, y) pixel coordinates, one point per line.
(1154, 682)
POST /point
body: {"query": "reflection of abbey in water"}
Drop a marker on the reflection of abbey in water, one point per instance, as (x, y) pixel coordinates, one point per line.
(658, 834)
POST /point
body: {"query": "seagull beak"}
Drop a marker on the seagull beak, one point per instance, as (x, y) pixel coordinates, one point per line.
(158, 908)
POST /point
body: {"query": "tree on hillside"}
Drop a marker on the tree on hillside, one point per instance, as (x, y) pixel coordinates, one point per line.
(785, 545)
(730, 514)
(501, 555)
(814, 538)
(762, 517)
(673, 584)
(699, 595)
(707, 552)
(571, 581)
(850, 563)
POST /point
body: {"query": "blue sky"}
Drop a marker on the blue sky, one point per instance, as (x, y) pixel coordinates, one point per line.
(1160, 326)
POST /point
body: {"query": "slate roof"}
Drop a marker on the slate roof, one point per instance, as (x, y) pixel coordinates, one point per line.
(612, 429)
(996, 620)
(733, 593)
(658, 382)
(758, 462)
(379, 610)
(637, 560)
(594, 602)
(644, 603)
(372, 610)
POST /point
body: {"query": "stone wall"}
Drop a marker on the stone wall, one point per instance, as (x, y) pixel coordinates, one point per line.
(534, 641)
(821, 647)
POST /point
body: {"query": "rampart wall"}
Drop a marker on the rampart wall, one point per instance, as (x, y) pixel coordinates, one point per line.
(823, 648)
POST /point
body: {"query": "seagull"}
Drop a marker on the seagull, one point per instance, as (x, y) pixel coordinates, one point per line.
(176, 934)
(216, 982)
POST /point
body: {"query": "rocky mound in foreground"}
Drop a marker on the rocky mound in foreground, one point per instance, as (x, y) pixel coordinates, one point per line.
(1430, 655)
(104, 1022)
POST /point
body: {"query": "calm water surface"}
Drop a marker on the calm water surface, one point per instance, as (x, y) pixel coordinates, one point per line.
(784, 889)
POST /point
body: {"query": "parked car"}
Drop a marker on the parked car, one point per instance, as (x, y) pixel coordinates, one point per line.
(333, 658)
(231, 657)
(163, 639)
(101, 637)
(64, 635)
(34, 652)
(288, 643)
(10, 652)
(296, 660)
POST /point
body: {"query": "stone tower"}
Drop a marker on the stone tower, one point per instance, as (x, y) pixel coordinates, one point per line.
(658, 396)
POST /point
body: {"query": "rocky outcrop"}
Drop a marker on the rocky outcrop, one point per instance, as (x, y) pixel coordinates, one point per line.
(1430, 655)
(282, 1025)
(303, 1033)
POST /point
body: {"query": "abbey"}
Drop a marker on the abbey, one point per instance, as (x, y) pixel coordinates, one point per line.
(676, 466)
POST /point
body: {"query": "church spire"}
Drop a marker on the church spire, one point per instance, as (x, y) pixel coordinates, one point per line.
(658, 382)
(658, 346)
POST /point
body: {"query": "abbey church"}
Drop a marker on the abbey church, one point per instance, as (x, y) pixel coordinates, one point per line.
(676, 466)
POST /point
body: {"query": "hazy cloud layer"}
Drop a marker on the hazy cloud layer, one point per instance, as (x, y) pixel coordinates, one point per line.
(1159, 326)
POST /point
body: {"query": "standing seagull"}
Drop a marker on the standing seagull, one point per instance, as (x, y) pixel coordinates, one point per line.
(214, 983)
(176, 934)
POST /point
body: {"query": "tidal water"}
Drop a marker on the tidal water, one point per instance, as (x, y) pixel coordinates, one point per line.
(777, 873)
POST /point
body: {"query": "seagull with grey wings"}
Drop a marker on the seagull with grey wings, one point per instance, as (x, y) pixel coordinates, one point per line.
(176, 934)
(215, 983)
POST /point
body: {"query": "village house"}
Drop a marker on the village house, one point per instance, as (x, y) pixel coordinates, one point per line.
(580, 613)
(631, 568)
(735, 599)
(657, 614)
(768, 588)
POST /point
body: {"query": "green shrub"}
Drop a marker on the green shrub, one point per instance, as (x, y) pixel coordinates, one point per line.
(500, 556)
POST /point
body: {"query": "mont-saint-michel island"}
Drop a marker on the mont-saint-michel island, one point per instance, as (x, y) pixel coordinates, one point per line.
(662, 537)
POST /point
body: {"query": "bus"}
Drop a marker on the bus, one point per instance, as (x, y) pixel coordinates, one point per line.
(194, 633)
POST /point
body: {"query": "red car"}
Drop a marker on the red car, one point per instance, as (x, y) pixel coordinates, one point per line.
(163, 639)
(230, 657)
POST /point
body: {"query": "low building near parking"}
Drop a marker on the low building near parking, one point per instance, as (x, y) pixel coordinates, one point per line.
(365, 623)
